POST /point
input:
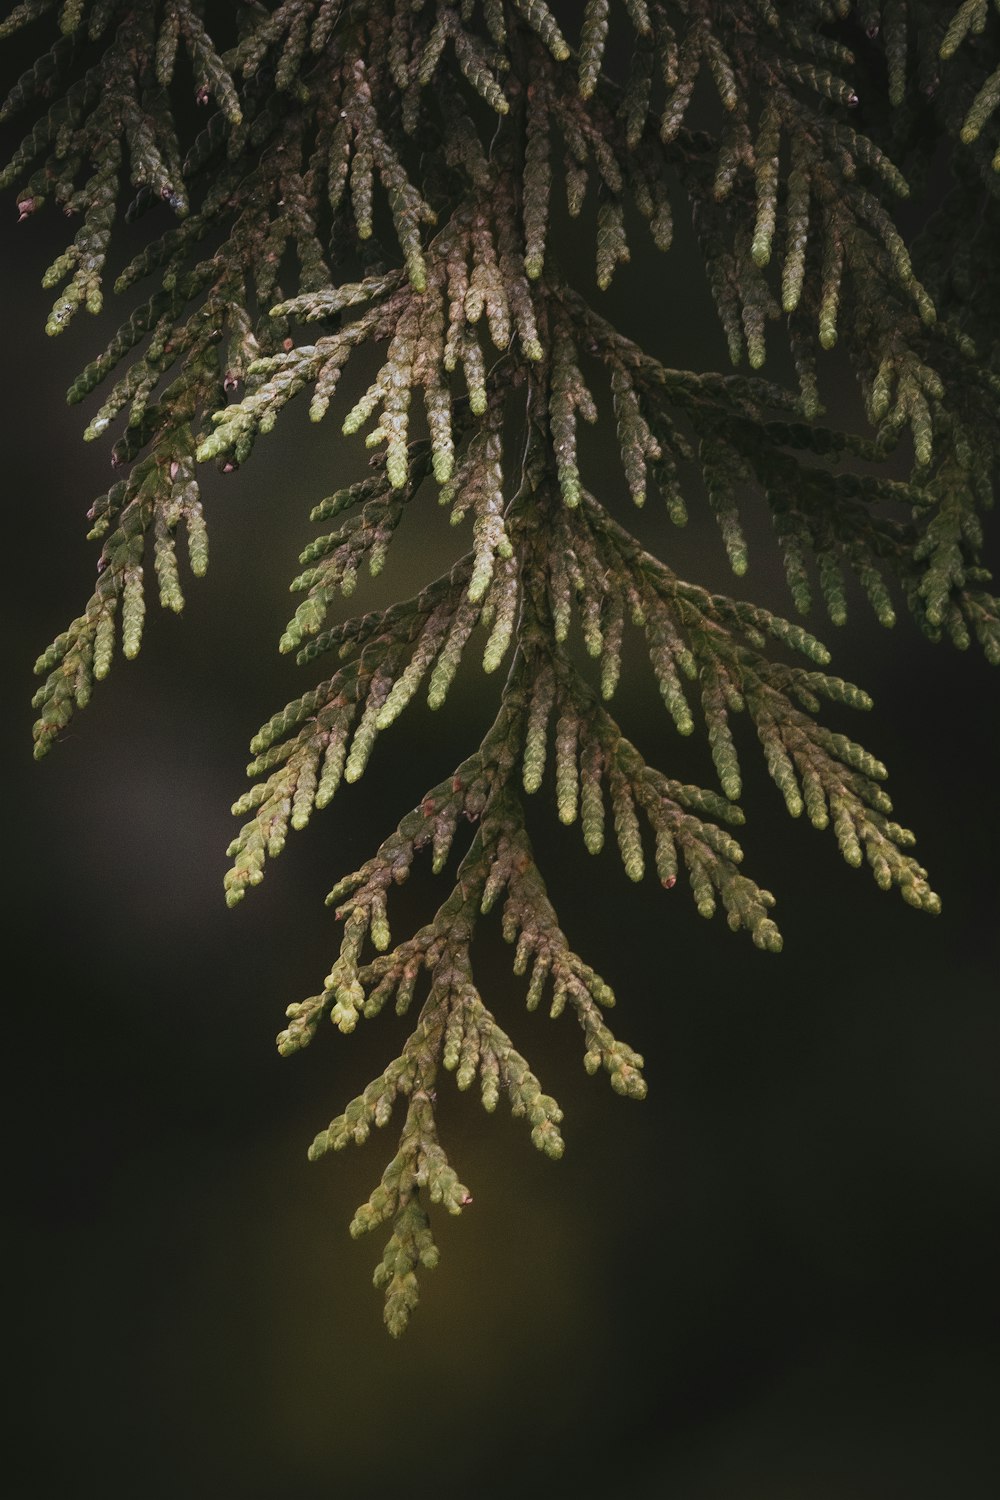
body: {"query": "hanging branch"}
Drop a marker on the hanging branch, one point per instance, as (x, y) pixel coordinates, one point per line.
(394, 176)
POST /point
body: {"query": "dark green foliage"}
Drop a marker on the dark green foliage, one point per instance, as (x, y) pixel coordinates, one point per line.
(460, 132)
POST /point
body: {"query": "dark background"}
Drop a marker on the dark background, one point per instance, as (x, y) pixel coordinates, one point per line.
(773, 1280)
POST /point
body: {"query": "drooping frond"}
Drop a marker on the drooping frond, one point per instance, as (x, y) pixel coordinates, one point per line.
(389, 184)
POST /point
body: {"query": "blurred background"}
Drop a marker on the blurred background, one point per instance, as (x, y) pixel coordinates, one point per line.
(773, 1280)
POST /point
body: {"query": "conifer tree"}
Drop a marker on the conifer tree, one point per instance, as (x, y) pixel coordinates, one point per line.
(391, 176)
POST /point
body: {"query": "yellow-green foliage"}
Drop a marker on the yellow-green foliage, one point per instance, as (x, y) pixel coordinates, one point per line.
(395, 176)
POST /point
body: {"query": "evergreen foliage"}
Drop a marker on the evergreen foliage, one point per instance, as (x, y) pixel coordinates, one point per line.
(382, 174)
